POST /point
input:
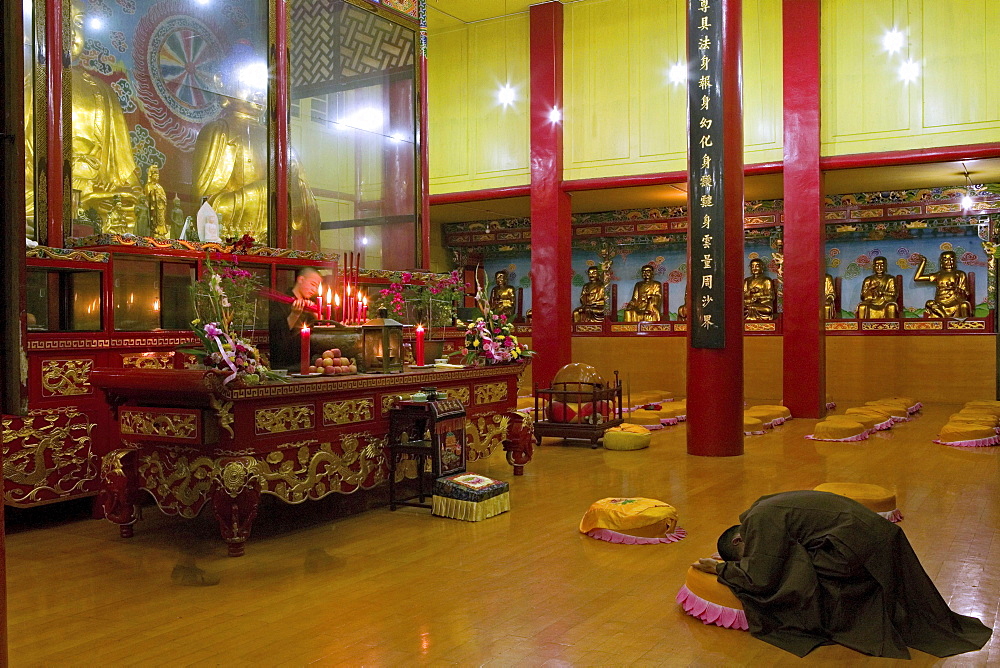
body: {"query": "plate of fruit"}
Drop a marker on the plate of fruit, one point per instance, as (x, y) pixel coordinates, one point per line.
(332, 363)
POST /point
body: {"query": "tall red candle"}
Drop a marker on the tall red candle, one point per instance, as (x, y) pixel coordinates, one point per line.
(419, 350)
(304, 350)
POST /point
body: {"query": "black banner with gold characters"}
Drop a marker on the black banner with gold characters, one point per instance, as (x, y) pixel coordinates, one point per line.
(706, 228)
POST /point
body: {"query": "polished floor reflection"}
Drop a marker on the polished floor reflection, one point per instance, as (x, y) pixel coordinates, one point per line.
(320, 586)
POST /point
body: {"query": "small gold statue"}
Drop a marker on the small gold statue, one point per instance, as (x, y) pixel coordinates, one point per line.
(114, 222)
(682, 312)
(758, 293)
(647, 299)
(878, 293)
(157, 204)
(951, 297)
(502, 296)
(829, 298)
(592, 299)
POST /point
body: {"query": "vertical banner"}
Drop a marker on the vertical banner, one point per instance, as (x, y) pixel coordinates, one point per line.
(706, 238)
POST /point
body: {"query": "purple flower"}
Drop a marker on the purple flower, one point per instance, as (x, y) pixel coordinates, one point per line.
(212, 329)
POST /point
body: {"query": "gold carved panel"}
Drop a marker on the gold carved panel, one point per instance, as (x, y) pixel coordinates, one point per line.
(62, 378)
(490, 393)
(485, 433)
(282, 419)
(844, 326)
(880, 326)
(923, 326)
(968, 324)
(312, 470)
(347, 412)
(944, 208)
(759, 327)
(164, 424)
(158, 360)
(47, 454)
(624, 328)
(460, 392)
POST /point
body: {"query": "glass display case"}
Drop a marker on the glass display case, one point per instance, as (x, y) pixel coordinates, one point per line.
(64, 300)
(152, 294)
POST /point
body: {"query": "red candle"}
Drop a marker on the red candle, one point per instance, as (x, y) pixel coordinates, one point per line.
(329, 304)
(305, 352)
(320, 309)
(419, 350)
(336, 301)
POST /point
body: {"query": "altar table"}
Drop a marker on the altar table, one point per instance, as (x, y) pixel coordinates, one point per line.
(187, 439)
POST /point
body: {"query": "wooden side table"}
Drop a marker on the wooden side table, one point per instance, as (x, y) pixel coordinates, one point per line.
(422, 429)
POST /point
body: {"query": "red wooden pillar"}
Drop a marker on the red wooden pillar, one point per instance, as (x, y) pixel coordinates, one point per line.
(804, 366)
(715, 375)
(279, 127)
(551, 242)
(424, 218)
(56, 175)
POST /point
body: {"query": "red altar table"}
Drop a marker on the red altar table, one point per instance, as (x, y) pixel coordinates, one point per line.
(187, 439)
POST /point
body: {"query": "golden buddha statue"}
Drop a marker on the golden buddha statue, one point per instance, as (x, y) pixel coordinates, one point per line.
(758, 293)
(682, 312)
(157, 204)
(951, 296)
(100, 153)
(592, 299)
(231, 164)
(502, 296)
(647, 299)
(878, 293)
(829, 298)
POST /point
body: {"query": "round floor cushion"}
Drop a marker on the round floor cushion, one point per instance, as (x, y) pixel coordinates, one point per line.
(780, 411)
(967, 435)
(769, 415)
(987, 419)
(645, 418)
(873, 497)
(627, 437)
(752, 426)
(633, 521)
(839, 430)
(869, 422)
(707, 599)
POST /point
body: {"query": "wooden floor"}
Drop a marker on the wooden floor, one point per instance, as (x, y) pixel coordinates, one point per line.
(522, 589)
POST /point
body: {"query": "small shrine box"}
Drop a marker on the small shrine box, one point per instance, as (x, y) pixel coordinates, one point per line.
(423, 429)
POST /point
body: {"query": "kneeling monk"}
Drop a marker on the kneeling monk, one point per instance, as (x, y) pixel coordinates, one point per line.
(814, 568)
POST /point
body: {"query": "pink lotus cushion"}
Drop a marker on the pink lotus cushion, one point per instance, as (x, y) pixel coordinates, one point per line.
(705, 598)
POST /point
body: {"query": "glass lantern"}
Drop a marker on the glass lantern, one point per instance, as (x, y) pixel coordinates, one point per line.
(382, 343)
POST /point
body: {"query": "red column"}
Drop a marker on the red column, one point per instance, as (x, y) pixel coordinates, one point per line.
(54, 118)
(424, 227)
(804, 367)
(551, 232)
(400, 240)
(282, 146)
(715, 375)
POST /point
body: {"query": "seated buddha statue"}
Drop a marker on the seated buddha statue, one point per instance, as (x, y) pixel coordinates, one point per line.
(99, 153)
(829, 298)
(951, 295)
(758, 293)
(502, 296)
(592, 300)
(231, 164)
(647, 299)
(878, 293)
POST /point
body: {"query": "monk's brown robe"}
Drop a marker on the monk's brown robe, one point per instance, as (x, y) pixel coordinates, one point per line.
(819, 568)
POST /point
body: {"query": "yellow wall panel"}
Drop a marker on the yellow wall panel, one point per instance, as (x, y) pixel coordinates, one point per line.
(623, 116)
(867, 107)
(475, 142)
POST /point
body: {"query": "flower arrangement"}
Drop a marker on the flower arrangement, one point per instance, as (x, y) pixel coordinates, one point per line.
(430, 303)
(225, 301)
(490, 339)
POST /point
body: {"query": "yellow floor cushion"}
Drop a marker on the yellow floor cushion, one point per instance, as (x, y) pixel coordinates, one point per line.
(883, 418)
(644, 417)
(634, 521)
(868, 421)
(873, 497)
(990, 406)
(526, 402)
(627, 437)
(839, 430)
(977, 411)
(710, 601)
(986, 419)
(898, 410)
(768, 416)
(966, 435)
(673, 410)
(752, 426)
(781, 411)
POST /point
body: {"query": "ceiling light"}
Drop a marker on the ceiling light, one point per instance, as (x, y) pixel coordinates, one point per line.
(95, 23)
(893, 41)
(366, 118)
(364, 241)
(678, 73)
(555, 116)
(966, 202)
(506, 95)
(909, 71)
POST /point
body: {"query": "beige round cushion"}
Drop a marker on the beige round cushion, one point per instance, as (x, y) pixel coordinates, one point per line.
(752, 425)
(779, 411)
(873, 411)
(986, 419)
(868, 421)
(644, 417)
(956, 432)
(838, 430)
(873, 497)
(626, 439)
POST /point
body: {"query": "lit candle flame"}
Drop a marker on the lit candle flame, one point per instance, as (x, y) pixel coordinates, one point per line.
(336, 299)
